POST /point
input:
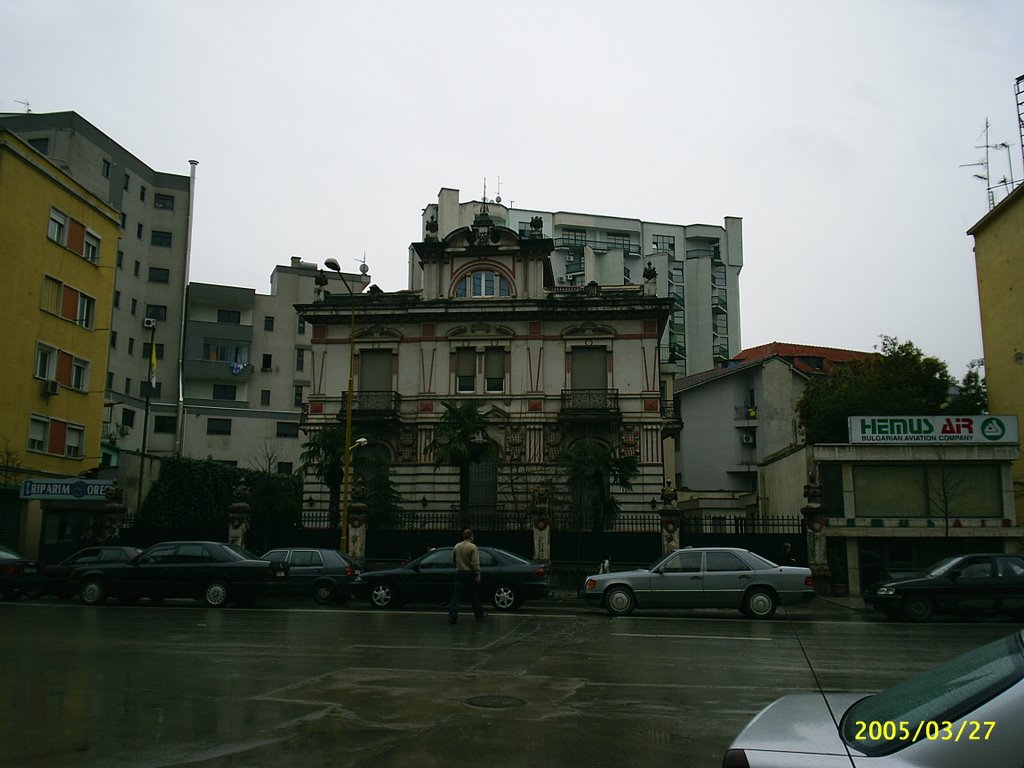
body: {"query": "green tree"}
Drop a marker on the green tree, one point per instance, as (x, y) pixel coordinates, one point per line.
(972, 394)
(460, 440)
(899, 380)
(374, 485)
(324, 454)
(590, 468)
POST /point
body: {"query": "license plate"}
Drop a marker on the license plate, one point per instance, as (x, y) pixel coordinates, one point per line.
(279, 574)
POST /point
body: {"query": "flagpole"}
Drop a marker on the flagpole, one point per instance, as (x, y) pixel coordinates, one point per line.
(150, 385)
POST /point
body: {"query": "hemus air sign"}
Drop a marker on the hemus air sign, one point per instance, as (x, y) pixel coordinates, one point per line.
(983, 430)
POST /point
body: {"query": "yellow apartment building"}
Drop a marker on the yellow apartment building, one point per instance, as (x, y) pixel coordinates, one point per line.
(999, 259)
(58, 245)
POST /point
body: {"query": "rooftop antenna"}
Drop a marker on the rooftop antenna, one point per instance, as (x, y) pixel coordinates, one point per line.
(26, 105)
(497, 199)
(485, 189)
(983, 164)
(1019, 90)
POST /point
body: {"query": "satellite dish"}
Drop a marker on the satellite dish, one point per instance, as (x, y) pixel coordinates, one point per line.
(497, 199)
(363, 268)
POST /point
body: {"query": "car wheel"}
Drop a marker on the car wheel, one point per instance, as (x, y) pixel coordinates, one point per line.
(216, 594)
(93, 592)
(382, 595)
(760, 604)
(917, 607)
(505, 598)
(323, 594)
(619, 601)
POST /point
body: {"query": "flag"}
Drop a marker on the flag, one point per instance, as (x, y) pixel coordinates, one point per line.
(152, 365)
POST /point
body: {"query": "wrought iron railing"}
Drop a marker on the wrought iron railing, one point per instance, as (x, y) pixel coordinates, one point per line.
(590, 399)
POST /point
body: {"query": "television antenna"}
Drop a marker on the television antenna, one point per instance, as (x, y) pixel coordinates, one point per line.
(25, 104)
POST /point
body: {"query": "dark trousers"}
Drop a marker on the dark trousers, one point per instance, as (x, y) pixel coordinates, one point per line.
(465, 584)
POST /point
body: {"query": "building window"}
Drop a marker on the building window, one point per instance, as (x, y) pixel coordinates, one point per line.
(287, 429)
(113, 339)
(45, 361)
(664, 244)
(161, 239)
(225, 351)
(159, 275)
(86, 311)
(124, 220)
(73, 442)
(267, 363)
(105, 168)
(300, 359)
(126, 181)
(156, 311)
(138, 230)
(110, 379)
(120, 259)
(264, 397)
(165, 425)
(285, 467)
(465, 370)
(127, 418)
(91, 248)
(37, 432)
(117, 299)
(483, 284)
(142, 193)
(166, 202)
(494, 370)
(268, 323)
(58, 228)
(297, 397)
(80, 375)
(131, 346)
(301, 329)
(574, 238)
(224, 391)
(218, 426)
(137, 268)
(134, 307)
(618, 241)
(127, 385)
(229, 316)
(41, 145)
(159, 351)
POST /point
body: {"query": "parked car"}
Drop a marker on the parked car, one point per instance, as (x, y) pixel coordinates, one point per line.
(55, 577)
(506, 580)
(710, 577)
(964, 712)
(979, 583)
(326, 574)
(19, 575)
(213, 572)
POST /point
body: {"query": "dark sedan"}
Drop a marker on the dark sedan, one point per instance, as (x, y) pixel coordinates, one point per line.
(323, 573)
(506, 579)
(213, 572)
(55, 577)
(979, 583)
(19, 575)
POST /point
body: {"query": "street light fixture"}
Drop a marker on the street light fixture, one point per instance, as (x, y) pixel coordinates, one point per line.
(333, 265)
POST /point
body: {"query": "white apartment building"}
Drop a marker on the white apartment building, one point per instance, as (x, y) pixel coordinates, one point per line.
(698, 265)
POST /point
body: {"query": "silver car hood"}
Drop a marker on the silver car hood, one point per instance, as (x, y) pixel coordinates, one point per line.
(801, 723)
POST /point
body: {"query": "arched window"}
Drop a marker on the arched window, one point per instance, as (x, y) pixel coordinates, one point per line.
(483, 284)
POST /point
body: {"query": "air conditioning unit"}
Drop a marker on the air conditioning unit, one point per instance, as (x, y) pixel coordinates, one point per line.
(747, 439)
(570, 257)
(123, 429)
(149, 322)
(51, 387)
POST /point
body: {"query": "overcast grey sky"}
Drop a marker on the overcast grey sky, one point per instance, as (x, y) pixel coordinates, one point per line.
(833, 129)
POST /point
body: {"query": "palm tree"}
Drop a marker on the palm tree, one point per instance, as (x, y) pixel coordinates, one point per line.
(591, 468)
(460, 440)
(324, 452)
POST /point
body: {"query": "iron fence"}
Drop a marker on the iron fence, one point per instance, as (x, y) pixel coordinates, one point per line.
(736, 524)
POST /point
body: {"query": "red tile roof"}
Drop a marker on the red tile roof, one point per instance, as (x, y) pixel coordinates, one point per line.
(804, 357)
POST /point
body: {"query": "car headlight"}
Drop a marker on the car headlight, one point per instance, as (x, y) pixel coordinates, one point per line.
(886, 591)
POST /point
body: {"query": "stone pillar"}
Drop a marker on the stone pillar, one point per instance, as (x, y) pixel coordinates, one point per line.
(542, 539)
(817, 555)
(238, 516)
(357, 520)
(670, 519)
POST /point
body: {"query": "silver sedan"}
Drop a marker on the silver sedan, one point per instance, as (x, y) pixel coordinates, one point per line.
(711, 577)
(965, 712)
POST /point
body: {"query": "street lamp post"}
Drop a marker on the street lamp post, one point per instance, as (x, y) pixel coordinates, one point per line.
(334, 266)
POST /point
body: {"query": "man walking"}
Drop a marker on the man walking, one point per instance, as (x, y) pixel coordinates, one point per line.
(467, 577)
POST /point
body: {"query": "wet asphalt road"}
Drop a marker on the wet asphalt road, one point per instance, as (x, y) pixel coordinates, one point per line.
(290, 684)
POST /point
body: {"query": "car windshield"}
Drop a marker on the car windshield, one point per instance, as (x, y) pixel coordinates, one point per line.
(942, 566)
(945, 693)
(238, 553)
